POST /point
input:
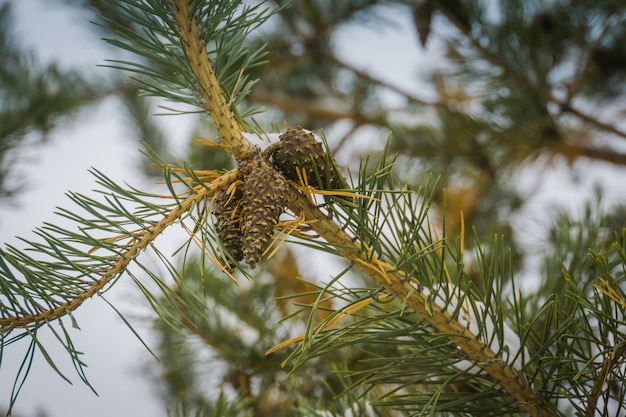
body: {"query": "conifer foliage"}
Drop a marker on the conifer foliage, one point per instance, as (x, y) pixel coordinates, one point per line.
(414, 322)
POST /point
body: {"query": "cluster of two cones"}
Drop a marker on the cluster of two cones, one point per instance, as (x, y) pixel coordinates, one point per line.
(247, 212)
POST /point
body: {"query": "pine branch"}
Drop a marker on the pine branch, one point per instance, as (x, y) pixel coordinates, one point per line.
(73, 265)
(126, 255)
(409, 290)
(211, 90)
(38, 292)
(402, 286)
(376, 227)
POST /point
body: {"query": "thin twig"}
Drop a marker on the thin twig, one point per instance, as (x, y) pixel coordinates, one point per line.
(382, 83)
(613, 359)
(316, 109)
(542, 93)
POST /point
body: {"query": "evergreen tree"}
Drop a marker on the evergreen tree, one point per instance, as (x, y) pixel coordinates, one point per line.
(425, 316)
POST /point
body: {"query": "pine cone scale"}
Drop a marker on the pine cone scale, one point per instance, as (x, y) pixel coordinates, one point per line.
(227, 212)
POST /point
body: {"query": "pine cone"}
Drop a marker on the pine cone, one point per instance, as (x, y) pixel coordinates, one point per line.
(265, 195)
(298, 148)
(227, 211)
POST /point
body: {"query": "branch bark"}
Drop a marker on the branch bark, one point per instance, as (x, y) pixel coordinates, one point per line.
(214, 100)
(612, 360)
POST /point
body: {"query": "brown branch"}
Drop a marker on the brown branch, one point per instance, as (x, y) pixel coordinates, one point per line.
(214, 100)
(542, 93)
(612, 360)
(566, 107)
(142, 242)
(599, 154)
(321, 110)
(405, 289)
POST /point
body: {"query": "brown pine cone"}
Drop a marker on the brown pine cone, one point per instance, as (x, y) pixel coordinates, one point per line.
(265, 195)
(298, 148)
(227, 211)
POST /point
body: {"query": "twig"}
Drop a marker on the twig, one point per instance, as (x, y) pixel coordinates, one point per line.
(362, 74)
(600, 154)
(210, 89)
(141, 242)
(609, 363)
(400, 285)
(307, 106)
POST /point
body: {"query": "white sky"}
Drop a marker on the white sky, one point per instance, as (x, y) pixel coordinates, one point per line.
(97, 139)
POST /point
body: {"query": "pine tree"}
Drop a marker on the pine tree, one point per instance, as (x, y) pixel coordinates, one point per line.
(426, 316)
